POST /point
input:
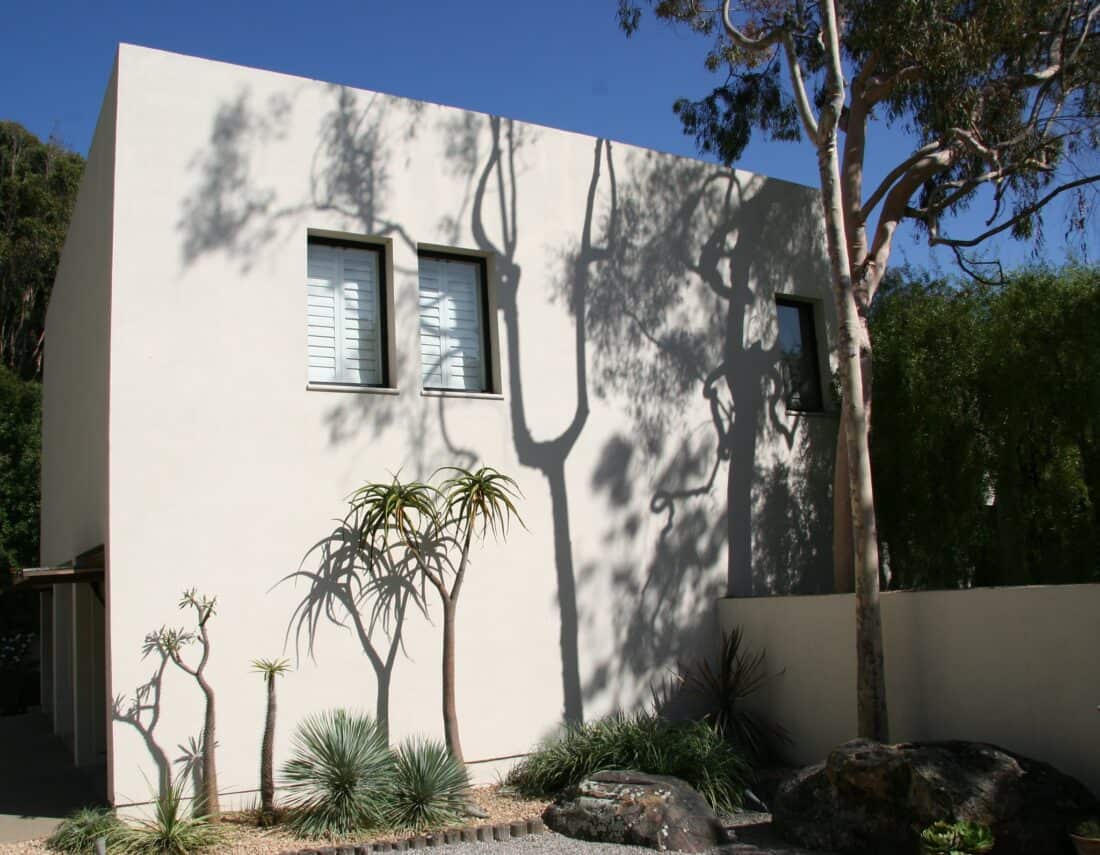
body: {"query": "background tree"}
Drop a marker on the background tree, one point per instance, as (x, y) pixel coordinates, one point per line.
(1001, 97)
(38, 186)
(270, 669)
(976, 412)
(430, 523)
(172, 641)
(20, 462)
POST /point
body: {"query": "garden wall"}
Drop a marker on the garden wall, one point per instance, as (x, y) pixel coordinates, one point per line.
(1014, 666)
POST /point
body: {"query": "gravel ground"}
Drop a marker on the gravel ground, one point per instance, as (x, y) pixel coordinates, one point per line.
(242, 838)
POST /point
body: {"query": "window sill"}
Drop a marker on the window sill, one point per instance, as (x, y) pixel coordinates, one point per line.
(458, 393)
(347, 387)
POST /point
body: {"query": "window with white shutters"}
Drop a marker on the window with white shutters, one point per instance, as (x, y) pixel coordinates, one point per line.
(345, 320)
(453, 348)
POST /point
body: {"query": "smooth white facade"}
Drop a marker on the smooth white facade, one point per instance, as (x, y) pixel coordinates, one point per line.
(635, 396)
(1011, 666)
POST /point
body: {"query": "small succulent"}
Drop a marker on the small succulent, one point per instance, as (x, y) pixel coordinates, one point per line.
(1089, 829)
(956, 838)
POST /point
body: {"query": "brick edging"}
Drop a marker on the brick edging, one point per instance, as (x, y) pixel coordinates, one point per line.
(467, 834)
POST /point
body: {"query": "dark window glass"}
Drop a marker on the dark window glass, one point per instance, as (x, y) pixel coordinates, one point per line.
(798, 355)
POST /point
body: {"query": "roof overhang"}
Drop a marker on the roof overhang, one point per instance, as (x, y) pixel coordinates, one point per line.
(86, 567)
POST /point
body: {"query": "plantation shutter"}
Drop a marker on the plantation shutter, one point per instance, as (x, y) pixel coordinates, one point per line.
(345, 341)
(452, 332)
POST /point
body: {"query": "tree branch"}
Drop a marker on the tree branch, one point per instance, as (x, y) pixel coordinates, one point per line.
(1020, 216)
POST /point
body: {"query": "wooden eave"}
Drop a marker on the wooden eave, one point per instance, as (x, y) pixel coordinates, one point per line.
(86, 567)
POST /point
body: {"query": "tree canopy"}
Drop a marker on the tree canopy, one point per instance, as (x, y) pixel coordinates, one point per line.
(38, 186)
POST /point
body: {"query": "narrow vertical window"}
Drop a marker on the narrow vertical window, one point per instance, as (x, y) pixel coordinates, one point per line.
(798, 355)
(453, 333)
(346, 328)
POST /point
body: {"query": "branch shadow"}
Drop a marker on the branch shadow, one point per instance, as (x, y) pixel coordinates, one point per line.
(142, 712)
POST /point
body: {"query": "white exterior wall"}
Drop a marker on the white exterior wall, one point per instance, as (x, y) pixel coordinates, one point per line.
(225, 469)
(74, 443)
(1011, 666)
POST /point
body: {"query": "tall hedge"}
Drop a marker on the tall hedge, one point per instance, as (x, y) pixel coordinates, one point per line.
(986, 430)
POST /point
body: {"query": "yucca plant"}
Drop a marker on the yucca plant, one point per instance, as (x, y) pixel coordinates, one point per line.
(431, 522)
(269, 669)
(429, 786)
(170, 832)
(338, 775)
(78, 832)
(723, 688)
(692, 751)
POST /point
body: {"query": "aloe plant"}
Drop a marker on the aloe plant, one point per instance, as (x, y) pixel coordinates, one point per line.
(431, 523)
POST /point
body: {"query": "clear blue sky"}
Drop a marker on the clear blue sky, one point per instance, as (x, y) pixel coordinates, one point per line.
(563, 64)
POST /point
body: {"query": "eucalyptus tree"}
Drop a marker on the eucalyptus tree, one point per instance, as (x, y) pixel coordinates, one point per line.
(437, 526)
(1001, 99)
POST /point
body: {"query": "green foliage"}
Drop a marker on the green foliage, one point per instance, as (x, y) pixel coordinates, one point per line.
(38, 186)
(403, 507)
(1090, 829)
(957, 838)
(20, 463)
(338, 775)
(428, 788)
(986, 430)
(694, 752)
(169, 832)
(271, 668)
(724, 686)
(484, 495)
(78, 832)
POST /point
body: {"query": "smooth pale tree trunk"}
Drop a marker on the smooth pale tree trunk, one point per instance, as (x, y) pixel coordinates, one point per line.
(267, 755)
(450, 712)
(870, 662)
(209, 807)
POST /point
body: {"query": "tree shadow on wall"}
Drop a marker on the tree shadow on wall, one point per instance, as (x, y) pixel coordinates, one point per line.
(493, 207)
(233, 210)
(684, 307)
(362, 589)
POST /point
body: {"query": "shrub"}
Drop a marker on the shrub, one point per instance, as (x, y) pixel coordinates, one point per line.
(338, 775)
(429, 786)
(79, 831)
(956, 838)
(692, 751)
(170, 832)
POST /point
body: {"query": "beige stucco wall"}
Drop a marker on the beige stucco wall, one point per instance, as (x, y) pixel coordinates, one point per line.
(75, 446)
(225, 470)
(1012, 666)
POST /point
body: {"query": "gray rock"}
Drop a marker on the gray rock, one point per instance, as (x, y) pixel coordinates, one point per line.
(656, 811)
(874, 798)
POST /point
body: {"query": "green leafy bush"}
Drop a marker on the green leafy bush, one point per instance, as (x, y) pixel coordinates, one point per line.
(956, 838)
(428, 787)
(170, 832)
(338, 776)
(1090, 828)
(78, 832)
(694, 752)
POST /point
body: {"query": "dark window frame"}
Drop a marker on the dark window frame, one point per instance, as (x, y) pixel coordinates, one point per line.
(486, 337)
(385, 379)
(807, 326)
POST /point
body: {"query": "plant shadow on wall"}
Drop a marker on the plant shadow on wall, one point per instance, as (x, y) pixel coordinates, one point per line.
(362, 589)
(142, 711)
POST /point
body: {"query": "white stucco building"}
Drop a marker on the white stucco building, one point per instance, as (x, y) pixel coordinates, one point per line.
(275, 289)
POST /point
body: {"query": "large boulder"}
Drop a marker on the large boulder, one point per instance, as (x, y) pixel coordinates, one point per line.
(656, 811)
(874, 798)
